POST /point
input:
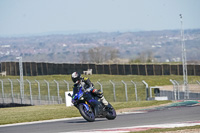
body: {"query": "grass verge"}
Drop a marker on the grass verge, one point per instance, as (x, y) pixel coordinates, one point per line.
(47, 112)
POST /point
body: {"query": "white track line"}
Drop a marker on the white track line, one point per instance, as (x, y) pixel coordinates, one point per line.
(37, 122)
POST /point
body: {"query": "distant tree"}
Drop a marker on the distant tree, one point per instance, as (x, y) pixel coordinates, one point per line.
(102, 54)
(96, 55)
(114, 53)
(83, 57)
(144, 57)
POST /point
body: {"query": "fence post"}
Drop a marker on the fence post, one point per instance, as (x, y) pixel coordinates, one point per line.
(150, 91)
(39, 95)
(57, 91)
(31, 98)
(21, 96)
(135, 90)
(11, 84)
(125, 90)
(67, 84)
(174, 88)
(178, 91)
(113, 90)
(48, 91)
(100, 86)
(198, 82)
(3, 96)
(147, 89)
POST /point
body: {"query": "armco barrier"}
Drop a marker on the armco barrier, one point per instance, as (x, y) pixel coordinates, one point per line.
(45, 68)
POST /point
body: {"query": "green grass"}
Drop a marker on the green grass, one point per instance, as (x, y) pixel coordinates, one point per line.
(47, 112)
(36, 113)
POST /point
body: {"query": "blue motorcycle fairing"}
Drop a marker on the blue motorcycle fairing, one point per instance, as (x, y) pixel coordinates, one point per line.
(78, 95)
(88, 98)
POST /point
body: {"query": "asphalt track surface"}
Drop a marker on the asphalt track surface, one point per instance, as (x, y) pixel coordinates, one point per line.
(148, 117)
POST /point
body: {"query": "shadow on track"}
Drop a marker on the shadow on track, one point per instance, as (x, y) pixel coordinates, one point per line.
(84, 121)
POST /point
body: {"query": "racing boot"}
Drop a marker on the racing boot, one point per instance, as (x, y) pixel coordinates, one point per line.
(108, 106)
(102, 98)
(105, 102)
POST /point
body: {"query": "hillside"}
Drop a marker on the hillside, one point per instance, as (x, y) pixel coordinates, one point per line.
(160, 46)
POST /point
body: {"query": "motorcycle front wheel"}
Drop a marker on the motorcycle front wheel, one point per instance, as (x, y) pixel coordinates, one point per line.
(87, 114)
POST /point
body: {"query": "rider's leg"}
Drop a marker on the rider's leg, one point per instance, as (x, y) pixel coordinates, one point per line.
(102, 98)
(104, 101)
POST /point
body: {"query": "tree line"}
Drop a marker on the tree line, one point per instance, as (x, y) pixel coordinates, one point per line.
(99, 54)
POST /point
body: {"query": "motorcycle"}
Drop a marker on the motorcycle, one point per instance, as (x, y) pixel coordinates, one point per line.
(93, 108)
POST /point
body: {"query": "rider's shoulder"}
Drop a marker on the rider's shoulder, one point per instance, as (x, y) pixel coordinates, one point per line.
(85, 78)
(75, 85)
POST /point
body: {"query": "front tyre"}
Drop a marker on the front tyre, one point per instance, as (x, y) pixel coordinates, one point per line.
(87, 115)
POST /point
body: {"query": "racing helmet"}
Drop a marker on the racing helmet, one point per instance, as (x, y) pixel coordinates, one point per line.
(76, 77)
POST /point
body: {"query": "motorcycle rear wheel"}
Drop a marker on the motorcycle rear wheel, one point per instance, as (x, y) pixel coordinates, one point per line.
(111, 114)
(87, 115)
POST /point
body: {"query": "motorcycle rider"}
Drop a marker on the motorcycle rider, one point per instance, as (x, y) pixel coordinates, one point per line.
(88, 87)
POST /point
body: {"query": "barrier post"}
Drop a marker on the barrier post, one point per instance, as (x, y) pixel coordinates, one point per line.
(39, 95)
(48, 91)
(100, 86)
(12, 95)
(174, 88)
(3, 96)
(57, 91)
(31, 98)
(178, 89)
(113, 90)
(198, 82)
(135, 90)
(147, 89)
(21, 95)
(67, 84)
(125, 90)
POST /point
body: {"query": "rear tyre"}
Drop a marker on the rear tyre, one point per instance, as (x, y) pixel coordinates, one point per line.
(87, 115)
(111, 113)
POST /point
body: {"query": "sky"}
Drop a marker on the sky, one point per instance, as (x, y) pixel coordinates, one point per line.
(27, 17)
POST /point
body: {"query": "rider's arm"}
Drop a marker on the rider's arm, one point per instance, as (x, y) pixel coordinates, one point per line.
(75, 90)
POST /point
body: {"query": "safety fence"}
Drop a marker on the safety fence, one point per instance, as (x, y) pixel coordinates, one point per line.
(39, 92)
(44, 68)
(36, 92)
(179, 91)
(30, 99)
(179, 95)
